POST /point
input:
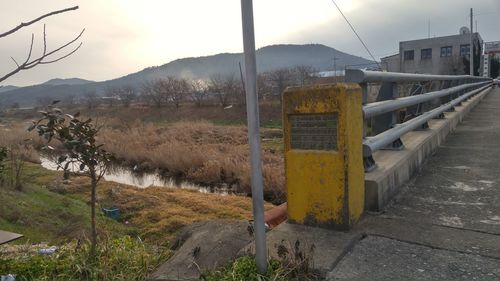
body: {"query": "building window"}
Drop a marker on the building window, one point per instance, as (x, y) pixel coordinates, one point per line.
(409, 55)
(465, 50)
(446, 51)
(426, 54)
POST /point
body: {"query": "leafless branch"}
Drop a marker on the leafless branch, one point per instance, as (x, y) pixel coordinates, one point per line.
(63, 57)
(24, 24)
(15, 61)
(28, 63)
(44, 40)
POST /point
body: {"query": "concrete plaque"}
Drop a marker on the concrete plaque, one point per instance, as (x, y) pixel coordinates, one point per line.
(313, 131)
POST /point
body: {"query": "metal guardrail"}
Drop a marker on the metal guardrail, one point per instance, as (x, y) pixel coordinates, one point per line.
(394, 113)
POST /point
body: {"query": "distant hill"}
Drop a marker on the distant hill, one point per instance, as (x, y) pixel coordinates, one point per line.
(268, 58)
(7, 88)
(68, 81)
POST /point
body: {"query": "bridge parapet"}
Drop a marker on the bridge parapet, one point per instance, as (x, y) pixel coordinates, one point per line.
(344, 155)
(406, 102)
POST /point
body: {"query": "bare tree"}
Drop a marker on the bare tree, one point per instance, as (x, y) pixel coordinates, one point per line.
(110, 96)
(217, 87)
(154, 92)
(147, 92)
(127, 95)
(264, 88)
(47, 56)
(235, 87)
(177, 90)
(91, 100)
(280, 79)
(304, 74)
(226, 89)
(199, 92)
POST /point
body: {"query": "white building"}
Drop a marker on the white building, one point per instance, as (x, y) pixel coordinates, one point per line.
(438, 55)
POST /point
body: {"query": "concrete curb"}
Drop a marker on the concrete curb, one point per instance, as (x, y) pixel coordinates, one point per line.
(395, 168)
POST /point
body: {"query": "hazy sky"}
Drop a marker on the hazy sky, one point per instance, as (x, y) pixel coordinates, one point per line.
(124, 36)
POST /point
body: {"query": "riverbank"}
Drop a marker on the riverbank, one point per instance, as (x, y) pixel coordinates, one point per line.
(197, 152)
(48, 209)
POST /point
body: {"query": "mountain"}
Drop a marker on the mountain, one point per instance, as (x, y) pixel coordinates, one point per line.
(7, 88)
(268, 58)
(68, 81)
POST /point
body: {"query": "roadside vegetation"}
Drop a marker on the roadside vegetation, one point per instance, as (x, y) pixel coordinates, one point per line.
(50, 211)
(294, 262)
(189, 130)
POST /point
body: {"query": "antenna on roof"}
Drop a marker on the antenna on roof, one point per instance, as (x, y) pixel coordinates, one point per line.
(429, 28)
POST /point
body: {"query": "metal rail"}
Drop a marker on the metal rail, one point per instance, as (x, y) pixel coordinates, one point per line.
(381, 140)
(383, 119)
(377, 108)
(365, 76)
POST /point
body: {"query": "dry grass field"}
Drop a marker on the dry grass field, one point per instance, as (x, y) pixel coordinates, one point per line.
(204, 145)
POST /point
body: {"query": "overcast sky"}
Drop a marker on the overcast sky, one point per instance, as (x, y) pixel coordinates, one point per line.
(124, 36)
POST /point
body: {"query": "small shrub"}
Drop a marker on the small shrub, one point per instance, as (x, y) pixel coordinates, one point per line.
(294, 263)
(244, 268)
(119, 259)
(16, 160)
(3, 157)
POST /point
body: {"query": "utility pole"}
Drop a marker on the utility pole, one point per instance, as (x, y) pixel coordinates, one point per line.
(471, 52)
(254, 135)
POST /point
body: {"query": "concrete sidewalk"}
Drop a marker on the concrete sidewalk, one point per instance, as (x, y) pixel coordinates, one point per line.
(445, 225)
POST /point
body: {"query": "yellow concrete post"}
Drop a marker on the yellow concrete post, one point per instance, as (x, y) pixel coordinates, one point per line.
(323, 131)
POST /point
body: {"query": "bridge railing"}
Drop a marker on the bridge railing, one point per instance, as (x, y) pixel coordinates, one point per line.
(406, 102)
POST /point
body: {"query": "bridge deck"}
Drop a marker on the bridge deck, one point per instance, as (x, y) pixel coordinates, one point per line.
(446, 225)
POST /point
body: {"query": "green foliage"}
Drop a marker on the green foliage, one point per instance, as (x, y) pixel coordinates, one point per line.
(294, 263)
(124, 258)
(3, 156)
(77, 137)
(244, 268)
(42, 215)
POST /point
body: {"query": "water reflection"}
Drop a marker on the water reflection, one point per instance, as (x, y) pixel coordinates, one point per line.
(141, 180)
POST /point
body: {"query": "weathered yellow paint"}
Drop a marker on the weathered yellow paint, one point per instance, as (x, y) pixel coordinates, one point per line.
(326, 187)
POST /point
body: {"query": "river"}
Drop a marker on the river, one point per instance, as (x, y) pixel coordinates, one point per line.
(127, 176)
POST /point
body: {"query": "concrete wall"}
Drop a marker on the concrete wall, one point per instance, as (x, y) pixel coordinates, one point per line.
(391, 63)
(437, 64)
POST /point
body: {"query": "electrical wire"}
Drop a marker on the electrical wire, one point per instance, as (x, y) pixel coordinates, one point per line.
(357, 35)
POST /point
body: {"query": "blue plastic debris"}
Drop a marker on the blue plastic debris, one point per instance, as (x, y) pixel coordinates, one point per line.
(113, 213)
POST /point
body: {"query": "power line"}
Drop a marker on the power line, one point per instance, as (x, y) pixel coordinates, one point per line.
(357, 35)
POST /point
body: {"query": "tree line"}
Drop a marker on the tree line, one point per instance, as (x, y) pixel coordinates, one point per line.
(170, 91)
